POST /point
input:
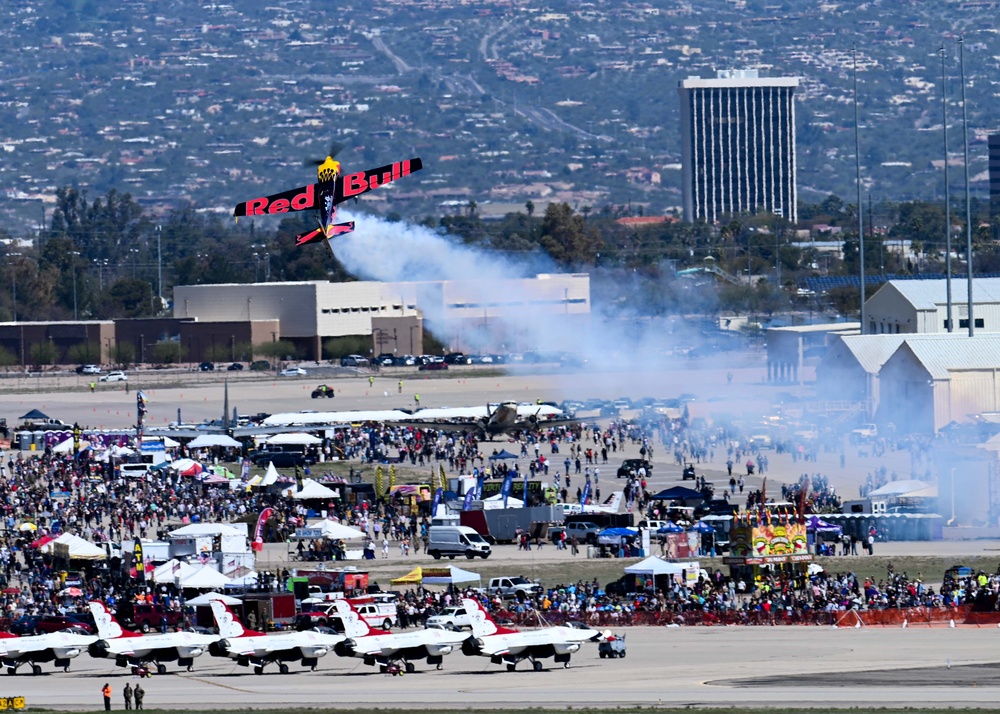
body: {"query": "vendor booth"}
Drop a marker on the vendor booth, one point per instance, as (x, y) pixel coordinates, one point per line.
(447, 575)
(767, 542)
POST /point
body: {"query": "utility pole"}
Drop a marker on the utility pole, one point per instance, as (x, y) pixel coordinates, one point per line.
(947, 193)
(857, 178)
(159, 268)
(968, 195)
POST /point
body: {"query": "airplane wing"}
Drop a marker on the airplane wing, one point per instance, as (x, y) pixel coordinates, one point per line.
(352, 185)
(347, 186)
(303, 198)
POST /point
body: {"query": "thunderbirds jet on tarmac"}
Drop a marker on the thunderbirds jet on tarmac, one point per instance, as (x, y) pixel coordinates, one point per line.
(503, 645)
(56, 647)
(257, 648)
(384, 648)
(330, 190)
(134, 649)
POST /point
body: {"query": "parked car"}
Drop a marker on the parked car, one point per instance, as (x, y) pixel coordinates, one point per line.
(148, 617)
(206, 367)
(386, 359)
(457, 358)
(353, 361)
(323, 391)
(88, 369)
(235, 367)
(261, 365)
(433, 366)
(292, 372)
(40, 625)
(114, 377)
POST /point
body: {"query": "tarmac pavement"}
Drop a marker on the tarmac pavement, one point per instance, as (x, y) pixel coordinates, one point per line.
(788, 667)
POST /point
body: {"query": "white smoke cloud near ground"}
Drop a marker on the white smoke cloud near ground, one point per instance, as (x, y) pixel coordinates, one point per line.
(400, 252)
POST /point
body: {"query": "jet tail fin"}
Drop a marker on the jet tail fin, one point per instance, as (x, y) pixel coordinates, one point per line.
(354, 626)
(229, 624)
(108, 628)
(483, 623)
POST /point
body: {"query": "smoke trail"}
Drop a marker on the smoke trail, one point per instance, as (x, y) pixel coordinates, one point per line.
(613, 342)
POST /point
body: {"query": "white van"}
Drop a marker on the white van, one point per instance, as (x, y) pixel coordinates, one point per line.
(456, 540)
(134, 470)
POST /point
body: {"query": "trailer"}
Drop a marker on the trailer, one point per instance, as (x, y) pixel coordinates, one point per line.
(503, 525)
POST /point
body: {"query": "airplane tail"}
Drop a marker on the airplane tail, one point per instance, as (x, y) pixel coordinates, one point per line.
(229, 625)
(312, 236)
(483, 623)
(108, 628)
(354, 626)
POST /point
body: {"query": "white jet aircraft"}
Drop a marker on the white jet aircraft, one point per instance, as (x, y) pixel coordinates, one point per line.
(56, 647)
(258, 648)
(134, 649)
(503, 645)
(385, 648)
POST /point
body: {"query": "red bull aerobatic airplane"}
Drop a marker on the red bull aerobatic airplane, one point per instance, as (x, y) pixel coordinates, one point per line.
(330, 190)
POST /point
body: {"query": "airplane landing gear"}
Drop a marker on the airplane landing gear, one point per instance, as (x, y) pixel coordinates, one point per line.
(440, 667)
(511, 666)
(536, 665)
(258, 669)
(161, 669)
(36, 669)
(409, 667)
(283, 668)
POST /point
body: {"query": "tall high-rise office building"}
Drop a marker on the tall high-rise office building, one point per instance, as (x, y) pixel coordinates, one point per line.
(738, 145)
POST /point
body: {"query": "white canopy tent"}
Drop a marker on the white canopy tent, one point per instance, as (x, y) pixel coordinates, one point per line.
(294, 438)
(328, 529)
(454, 576)
(271, 476)
(206, 440)
(657, 566)
(244, 581)
(66, 446)
(173, 570)
(311, 489)
(79, 549)
(205, 577)
(206, 599)
(194, 530)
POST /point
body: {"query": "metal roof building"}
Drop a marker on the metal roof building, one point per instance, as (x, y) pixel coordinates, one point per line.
(920, 306)
(933, 380)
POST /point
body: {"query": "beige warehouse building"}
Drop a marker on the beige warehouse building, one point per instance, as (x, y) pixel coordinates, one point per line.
(921, 306)
(462, 312)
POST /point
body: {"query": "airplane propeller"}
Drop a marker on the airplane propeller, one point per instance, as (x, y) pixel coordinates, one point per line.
(335, 148)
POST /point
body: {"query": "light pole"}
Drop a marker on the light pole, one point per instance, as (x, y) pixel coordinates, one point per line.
(73, 254)
(968, 195)
(159, 268)
(14, 282)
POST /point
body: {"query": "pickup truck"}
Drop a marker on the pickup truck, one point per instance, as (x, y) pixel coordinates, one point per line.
(453, 617)
(148, 617)
(509, 588)
(864, 432)
(585, 531)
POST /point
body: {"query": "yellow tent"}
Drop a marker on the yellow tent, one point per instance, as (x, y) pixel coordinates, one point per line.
(414, 577)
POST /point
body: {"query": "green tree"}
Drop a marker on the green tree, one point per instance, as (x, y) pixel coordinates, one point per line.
(85, 353)
(277, 350)
(566, 238)
(7, 358)
(124, 354)
(168, 352)
(43, 353)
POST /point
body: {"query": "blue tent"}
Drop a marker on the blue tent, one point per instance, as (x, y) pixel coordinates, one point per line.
(678, 493)
(503, 456)
(670, 528)
(702, 527)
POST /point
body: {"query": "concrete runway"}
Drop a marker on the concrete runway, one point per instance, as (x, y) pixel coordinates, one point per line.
(699, 666)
